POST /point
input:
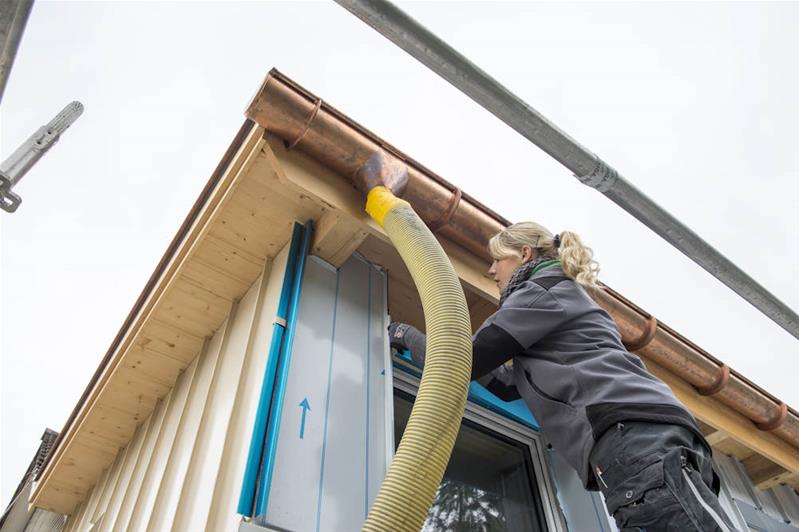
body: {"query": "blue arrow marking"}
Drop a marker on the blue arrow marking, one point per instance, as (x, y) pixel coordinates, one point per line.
(305, 407)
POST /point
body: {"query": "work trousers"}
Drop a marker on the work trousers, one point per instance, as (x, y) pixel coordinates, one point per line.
(657, 477)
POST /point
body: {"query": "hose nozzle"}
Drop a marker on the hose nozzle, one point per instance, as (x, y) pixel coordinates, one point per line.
(382, 170)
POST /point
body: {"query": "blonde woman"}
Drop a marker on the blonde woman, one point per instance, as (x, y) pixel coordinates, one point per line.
(618, 426)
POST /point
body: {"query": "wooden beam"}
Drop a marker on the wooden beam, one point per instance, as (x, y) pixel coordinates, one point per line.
(334, 192)
(717, 437)
(792, 481)
(761, 470)
(336, 236)
(724, 418)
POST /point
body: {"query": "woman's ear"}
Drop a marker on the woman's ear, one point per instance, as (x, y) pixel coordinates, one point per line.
(527, 253)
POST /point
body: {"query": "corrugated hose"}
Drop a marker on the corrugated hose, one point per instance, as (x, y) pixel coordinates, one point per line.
(407, 492)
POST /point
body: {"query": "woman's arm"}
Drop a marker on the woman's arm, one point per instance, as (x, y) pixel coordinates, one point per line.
(491, 346)
(525, 317)
(498, 381)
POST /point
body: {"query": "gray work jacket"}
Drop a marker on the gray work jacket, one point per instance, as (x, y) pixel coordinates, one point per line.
(569, 366)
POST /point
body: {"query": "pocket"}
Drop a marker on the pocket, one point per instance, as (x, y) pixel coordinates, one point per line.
(632, 491)
(542, 373)
(656, 509)
(544, 394)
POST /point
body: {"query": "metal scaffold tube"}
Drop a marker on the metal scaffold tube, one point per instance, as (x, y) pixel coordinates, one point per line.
(589, 169)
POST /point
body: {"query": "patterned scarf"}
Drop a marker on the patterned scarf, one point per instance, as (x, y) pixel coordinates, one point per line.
(522, 274)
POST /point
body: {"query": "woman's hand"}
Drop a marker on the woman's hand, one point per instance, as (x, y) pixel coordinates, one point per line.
(396, 334)
(403, 336)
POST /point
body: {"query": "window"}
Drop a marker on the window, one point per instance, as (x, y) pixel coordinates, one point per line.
(494, 481)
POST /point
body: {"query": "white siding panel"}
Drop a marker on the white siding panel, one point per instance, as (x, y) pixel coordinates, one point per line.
(175, 402)
(94, 499)
(131, 457)
(223, 514)
(74, 519)
(136, 478)
(108, 488)
(176, 466)
(198, 486)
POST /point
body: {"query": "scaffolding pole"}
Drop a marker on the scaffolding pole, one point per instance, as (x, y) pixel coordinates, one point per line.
(13, 18)
(589, 169)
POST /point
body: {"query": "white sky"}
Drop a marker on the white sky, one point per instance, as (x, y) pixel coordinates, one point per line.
(697, 104)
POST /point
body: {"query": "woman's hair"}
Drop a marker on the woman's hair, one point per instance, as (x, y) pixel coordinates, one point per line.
(575, 258)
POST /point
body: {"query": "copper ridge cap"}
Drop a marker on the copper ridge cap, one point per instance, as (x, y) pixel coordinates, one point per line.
(275, 74)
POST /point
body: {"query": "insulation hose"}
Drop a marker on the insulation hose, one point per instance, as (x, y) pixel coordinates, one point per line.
(405, 497)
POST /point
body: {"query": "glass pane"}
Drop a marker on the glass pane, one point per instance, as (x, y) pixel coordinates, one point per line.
(489, 484)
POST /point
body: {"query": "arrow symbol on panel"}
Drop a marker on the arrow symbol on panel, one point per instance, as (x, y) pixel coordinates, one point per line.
(305, 407)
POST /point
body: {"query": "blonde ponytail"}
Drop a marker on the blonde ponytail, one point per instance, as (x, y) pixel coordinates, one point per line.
(575, 258)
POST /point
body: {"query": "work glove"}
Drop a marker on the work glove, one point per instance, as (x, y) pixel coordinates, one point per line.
(404, 336)
(396, 334)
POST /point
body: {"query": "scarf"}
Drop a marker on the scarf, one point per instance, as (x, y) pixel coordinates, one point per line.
(524, 272)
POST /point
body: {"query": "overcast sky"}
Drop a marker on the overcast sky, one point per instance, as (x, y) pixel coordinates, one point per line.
(697, 104)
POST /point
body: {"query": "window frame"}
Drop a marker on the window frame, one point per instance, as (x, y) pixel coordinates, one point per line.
(533, 440)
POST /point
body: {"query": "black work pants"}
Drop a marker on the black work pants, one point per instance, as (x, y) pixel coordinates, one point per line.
(658, 477)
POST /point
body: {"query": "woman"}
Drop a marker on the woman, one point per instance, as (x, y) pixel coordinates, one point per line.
(620, 428)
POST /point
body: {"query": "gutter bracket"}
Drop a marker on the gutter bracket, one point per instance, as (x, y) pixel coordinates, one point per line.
(775, 422)
(454, 201)
(306, 126)
(718, 384)
(646, 336)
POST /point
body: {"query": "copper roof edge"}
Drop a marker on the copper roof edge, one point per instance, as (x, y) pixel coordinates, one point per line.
(305, 122)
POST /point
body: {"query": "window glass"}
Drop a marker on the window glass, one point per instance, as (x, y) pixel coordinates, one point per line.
(489, 484)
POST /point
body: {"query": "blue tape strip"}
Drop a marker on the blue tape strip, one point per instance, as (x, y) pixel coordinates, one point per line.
(247, 495)
(273, 429)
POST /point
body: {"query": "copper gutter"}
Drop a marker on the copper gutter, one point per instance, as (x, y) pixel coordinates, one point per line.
(308, 124)
(312, 126)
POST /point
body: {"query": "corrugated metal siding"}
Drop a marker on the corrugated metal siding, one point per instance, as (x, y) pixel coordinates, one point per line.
(183, 468)
(44, 521)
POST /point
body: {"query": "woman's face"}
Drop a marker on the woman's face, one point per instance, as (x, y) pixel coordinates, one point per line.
(502, 269)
